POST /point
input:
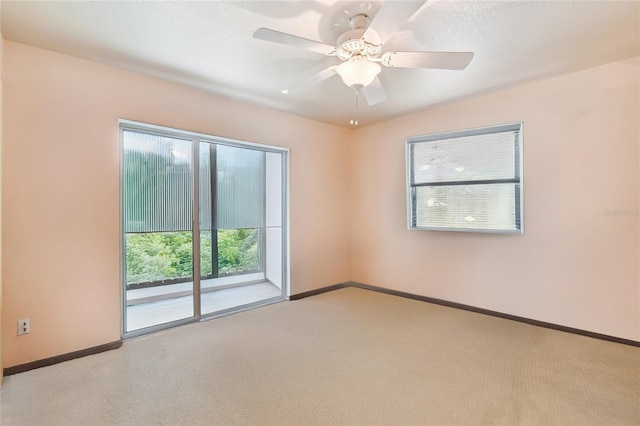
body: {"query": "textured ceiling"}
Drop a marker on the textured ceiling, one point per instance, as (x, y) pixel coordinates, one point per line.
(209, 45)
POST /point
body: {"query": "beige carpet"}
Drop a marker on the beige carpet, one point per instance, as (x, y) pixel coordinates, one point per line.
(347, 357)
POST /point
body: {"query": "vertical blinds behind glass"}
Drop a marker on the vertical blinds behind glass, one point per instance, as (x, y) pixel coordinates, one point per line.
(157, 183)
(158, 187)
(239, 187)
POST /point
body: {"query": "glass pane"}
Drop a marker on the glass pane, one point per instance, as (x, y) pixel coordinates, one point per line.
(239, 252)
(155, 257)
(274, 243)
(206, 265)
(232, 218)
(157, 183)
(273, 189)
(232, 210)
(478, 157)
(240, 187)
(158, 206)
(486, 207)
(207, 155)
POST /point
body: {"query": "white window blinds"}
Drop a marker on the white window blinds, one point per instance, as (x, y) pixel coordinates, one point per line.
(467, 180)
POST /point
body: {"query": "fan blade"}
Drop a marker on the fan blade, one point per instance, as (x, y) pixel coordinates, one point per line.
(437, 60)
(292, 40)
(314, 79)
(374, 93)
(390, 18)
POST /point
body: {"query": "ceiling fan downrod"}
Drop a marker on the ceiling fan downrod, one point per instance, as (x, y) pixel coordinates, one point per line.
(354, 105)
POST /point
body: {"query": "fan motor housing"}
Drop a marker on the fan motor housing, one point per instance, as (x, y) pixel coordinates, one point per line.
(351, 43)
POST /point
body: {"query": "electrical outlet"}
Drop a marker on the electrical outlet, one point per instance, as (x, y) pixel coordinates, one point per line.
(24, 326)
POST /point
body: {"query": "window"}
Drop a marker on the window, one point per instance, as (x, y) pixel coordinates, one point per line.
(467, 180)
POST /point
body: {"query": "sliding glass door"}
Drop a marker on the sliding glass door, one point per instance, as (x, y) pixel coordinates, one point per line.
(237, 233)
(232, 198)
(158, 229)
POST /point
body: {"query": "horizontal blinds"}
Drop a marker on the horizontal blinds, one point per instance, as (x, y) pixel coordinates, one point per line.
(470, 158)
(486, 207)
(157, 183)
(466, 180)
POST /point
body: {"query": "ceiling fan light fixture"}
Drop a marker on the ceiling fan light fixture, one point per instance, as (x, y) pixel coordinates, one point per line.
(358, 72)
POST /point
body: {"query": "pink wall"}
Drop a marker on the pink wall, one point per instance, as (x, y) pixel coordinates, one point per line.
(61, 191)
(573, 266)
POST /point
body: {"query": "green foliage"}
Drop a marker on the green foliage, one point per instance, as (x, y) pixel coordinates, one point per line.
(159, 256)
(238, 251)
(205, 253)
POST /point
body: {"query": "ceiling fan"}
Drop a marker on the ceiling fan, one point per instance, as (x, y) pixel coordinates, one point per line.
(361, 51)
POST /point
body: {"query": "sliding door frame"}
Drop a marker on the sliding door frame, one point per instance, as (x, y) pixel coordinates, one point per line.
(196, 139)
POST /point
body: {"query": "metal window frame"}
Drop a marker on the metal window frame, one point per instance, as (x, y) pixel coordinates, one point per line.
(196, 138)
(516, 127)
